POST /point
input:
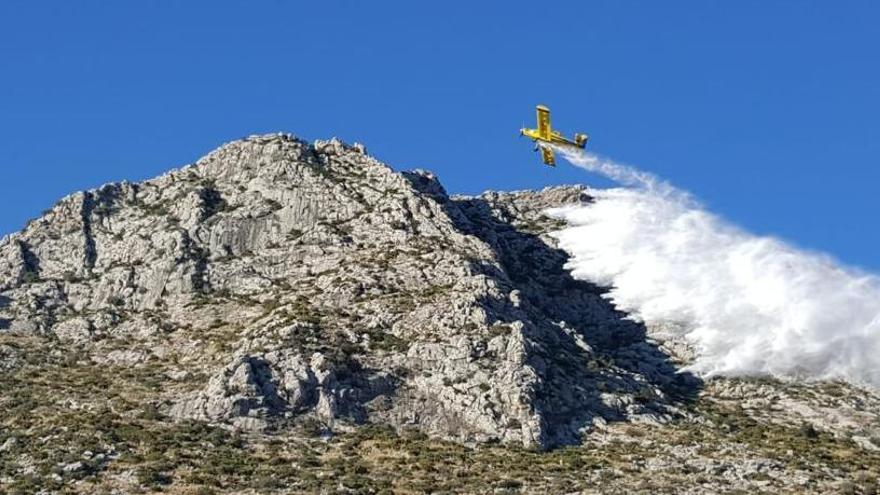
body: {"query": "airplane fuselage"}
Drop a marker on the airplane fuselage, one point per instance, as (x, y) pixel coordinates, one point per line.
(554, 138)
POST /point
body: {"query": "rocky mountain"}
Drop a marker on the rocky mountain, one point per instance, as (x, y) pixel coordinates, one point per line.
(294, 317)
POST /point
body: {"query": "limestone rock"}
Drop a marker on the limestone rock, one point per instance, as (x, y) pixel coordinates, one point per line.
(276, 281)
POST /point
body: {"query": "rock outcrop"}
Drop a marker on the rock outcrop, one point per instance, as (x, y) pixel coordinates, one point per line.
(347, 292)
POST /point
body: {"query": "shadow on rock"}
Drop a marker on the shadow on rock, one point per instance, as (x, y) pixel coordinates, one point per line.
(4, 322)
(596, 365)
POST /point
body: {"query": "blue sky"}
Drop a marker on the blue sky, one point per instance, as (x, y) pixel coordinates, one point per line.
(769, 112)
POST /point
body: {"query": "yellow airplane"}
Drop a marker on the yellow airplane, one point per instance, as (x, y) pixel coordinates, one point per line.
(544, 135)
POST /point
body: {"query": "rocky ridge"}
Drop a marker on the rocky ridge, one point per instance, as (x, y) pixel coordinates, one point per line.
(277, 287)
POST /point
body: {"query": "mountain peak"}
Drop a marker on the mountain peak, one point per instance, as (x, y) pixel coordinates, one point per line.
(286, 247)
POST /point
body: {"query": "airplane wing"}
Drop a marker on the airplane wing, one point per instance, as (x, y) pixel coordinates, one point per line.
(547, 156)
(543, 122)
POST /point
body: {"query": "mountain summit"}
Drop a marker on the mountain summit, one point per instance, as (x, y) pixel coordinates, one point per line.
(280, 291)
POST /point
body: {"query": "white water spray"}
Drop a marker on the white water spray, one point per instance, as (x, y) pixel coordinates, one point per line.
(749, 304)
